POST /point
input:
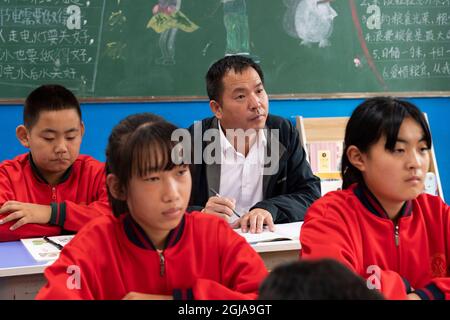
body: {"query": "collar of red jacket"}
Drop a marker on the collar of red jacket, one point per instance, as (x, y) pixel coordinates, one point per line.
(41, 178)
(372, 204)
(137, 235)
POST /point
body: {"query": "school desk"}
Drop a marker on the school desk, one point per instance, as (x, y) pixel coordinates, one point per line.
(21, 276)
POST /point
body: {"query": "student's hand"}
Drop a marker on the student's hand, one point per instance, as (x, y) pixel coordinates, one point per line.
(25, 213)
(413, 296)
(220, 206)
(254, 221)
(144, 296)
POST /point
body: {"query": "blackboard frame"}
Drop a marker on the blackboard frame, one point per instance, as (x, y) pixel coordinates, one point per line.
(274, 82)
(309, 96)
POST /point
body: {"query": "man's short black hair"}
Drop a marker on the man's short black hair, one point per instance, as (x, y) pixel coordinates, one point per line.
(220, 68)
(49, 97)
(324, 279)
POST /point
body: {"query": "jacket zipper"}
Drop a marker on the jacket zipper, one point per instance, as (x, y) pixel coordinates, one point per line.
(397, 235)
(162, 262)
(54, 194)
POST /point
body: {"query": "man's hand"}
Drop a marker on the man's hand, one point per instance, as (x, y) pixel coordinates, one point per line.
(220, 206)
(25, 213)
(144, 296)
(256, 219)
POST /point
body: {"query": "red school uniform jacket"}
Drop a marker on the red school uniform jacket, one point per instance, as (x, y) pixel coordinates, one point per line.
(79, 196)
(203, 259)
(411, 255)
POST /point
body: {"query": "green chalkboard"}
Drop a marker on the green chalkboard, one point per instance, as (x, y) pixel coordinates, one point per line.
(144, 49)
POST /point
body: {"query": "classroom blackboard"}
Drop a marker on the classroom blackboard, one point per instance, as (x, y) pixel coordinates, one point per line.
(149, 49)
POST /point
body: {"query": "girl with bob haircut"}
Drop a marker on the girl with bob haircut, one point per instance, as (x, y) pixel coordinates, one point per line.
(382, 225)
(152, 249)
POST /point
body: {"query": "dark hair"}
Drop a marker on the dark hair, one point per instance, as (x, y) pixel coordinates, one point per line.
(324, 279)
(216, 73)
(138, 145)
(49, 97)
(372, 119)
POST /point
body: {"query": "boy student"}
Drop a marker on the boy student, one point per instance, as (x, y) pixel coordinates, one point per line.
(259, 174)
(152, 249)
(52, 188)
(382, 225)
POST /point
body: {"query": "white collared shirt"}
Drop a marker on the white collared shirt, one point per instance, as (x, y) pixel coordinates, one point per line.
(241, 178)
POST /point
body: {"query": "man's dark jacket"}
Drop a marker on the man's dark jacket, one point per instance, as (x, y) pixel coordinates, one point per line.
(287, 193)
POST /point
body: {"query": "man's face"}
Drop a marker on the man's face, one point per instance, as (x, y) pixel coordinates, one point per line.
(244, 103)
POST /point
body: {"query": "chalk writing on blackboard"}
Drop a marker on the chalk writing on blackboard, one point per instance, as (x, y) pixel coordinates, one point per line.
(403, 40)
(50, 41)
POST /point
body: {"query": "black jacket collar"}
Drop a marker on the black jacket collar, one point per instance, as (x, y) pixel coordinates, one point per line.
(41, 178)
(137, 235)
(372, 204)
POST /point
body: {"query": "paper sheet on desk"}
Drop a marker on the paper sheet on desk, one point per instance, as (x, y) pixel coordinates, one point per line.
(283, 231)
(41, 250)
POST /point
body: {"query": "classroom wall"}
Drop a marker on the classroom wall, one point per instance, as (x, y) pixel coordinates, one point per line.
(100, 118)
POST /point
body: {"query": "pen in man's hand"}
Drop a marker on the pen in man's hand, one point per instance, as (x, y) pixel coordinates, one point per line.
(218, 195)
(57, 245)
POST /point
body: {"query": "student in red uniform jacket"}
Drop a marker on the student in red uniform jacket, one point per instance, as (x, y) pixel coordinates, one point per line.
(52, 188)
(322, 279)
(152, 249)
(382, 225)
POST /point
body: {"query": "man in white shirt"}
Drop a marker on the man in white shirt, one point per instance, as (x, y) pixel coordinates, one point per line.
(246, 139)
(243, 184)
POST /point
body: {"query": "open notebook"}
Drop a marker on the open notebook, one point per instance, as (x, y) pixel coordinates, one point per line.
(43, 250)
(283, 231)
